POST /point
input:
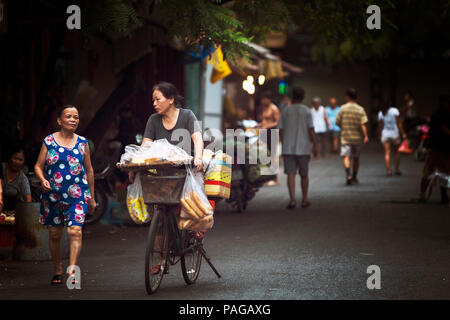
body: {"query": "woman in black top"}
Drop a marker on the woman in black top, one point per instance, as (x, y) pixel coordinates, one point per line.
(179, 126)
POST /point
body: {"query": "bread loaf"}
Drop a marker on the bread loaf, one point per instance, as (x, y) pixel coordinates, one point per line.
(184, 214)
(185, 223)
(203, 224)
(204, 207)
(189, 209)
(194, 206)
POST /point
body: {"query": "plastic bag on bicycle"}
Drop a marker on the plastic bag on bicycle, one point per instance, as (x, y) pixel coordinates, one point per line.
(138, 210)
(196, 211)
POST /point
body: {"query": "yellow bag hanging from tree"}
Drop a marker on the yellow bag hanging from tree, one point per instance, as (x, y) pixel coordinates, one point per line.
(221, 69)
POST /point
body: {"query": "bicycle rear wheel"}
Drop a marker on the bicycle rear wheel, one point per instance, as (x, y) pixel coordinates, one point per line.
(192, 258)
(157, 251)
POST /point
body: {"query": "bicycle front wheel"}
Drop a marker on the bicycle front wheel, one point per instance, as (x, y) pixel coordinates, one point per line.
(157, 251)
(192, 258)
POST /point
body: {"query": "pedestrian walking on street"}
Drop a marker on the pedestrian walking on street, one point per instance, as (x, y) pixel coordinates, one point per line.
(67, 180)
(352, 120)
(332, 111)
(390, 133)
(438, 157)
(270, 119)
(321, 124)
(297, 134)
(408, 113)
(284, 103)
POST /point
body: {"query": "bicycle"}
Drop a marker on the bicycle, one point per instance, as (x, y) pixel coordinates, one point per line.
(167, 245)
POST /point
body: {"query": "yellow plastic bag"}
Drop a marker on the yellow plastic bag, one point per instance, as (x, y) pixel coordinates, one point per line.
(138, 210)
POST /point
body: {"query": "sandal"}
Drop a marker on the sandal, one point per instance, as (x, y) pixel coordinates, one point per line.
(306, 204)
(155, 269)
(349, 180)
(73, 277)
(199, 235)
(291, 206)
(57, 279)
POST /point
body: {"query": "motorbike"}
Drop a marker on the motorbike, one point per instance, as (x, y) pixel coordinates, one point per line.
(246, 180)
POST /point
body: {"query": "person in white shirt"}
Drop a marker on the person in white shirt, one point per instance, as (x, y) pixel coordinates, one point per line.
(321, 124)
(390, 133)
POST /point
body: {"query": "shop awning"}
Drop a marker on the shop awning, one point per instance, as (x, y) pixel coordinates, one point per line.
(265, 63)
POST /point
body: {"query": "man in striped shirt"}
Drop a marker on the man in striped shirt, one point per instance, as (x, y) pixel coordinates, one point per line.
(352, 120)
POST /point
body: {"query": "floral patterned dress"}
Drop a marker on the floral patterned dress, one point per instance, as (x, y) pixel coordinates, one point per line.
(66, 203)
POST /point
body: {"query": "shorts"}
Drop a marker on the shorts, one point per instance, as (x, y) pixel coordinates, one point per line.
(350, 150)
(321, 136)
(335, 134)
(292, 163)
(394, 141)
(436, 161)
(62, 213)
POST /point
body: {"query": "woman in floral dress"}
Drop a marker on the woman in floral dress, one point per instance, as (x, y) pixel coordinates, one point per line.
(67, 179)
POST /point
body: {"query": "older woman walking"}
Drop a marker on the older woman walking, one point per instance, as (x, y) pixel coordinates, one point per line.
(67, 178)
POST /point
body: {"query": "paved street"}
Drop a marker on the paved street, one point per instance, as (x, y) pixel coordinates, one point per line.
(269, 252)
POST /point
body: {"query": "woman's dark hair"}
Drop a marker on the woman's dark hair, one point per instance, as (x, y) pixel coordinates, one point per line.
(61, 110)
(13, 149)
(169, 91)
(352, 93)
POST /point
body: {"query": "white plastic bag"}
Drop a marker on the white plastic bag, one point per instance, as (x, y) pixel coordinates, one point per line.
(158, 150)
(196, 211)
(138, 210)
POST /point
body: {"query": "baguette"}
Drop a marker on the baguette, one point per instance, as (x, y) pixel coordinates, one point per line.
(184, 214)
(185, 223)
(194, 206)
(189, 209)
(205, 208)
(203, 224)
(207, 219)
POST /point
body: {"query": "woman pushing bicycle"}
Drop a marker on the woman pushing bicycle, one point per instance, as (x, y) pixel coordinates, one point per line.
(179, 127)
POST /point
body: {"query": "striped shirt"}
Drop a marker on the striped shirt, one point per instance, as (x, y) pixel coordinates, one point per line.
(350, 118)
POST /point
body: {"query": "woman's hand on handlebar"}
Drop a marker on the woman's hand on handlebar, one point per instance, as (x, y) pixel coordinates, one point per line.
(198, 163)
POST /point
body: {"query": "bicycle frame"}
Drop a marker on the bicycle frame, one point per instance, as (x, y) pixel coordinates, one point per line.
(175, 236)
